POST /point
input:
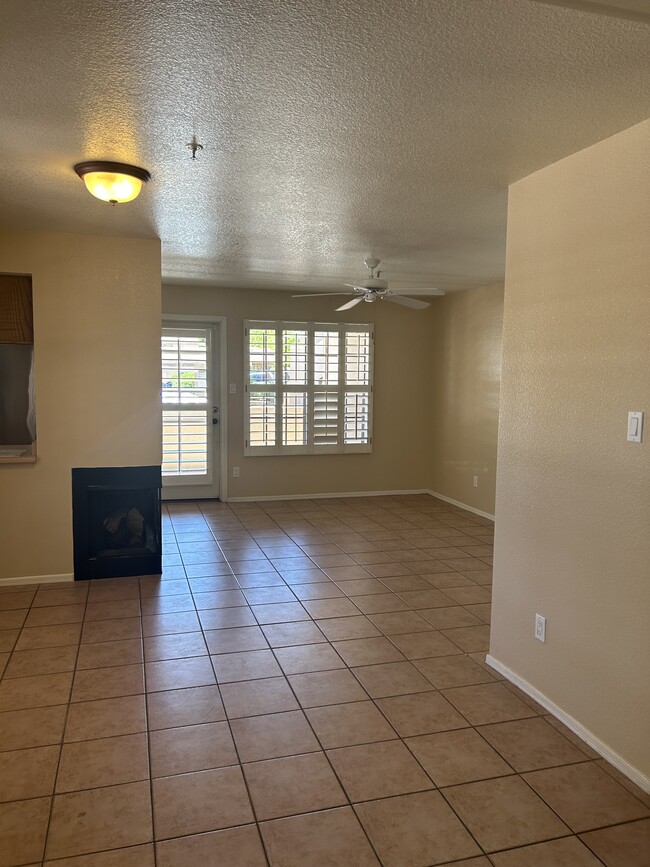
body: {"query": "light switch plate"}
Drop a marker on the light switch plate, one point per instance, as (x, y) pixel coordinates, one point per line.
(634, 427)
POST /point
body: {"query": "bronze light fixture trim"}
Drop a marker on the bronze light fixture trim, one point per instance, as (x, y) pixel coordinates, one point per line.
(112, 182)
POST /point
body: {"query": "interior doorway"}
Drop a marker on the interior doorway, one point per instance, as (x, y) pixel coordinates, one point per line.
(193, 442)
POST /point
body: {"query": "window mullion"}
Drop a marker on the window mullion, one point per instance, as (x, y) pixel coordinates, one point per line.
(341, 387)
(310, 385)
(279, 385)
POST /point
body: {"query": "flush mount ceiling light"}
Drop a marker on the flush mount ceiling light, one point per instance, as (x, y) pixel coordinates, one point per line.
(112, 182)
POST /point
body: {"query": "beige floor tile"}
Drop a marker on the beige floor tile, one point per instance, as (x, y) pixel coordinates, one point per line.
(295, 784)
(308, 657)
(219, 599)
(112, 589)
(361, 587)
(105, 718)
(8, 638)
(449, 671)
(418, 829)
(470, 639)
(392, 678)
(273, 735)
(184, 644)
(96, 819)
(566, 852)
(199, 802)
(183, 707)
(378, 770)
(455, 757)
(332, 837)
(110, 653)
(236, 639)
(342, 725)
(235, 847)
(342, 628)
(504, 813)
(425, 599)
(291, 634)
(380, 603)
(405, 583)
(326, 687)
(191, 748)
(330, 608)
(468, 862)
(319, 590)
(179, 673)
(16, 598)
(531, 744)
(622, 845)
(488, 703)
(268, 595)
(133, 856)
(112, 610)
(368, 651)
(49, 636)
(169, 624)
(35, 727)
(421, 713)
(96, 683)
(280, 612)
(226, 618)
(111, 630)
(585, 797)
(38, 691)
(60, 596)
(468, 595)
(13, 619)
(481, 610)
(103, 762)
(626, 782)
(23, 827)
(168, 604)
(248, 665)
(28, 773)
(254, 697)
(55, 615)
(420, 645)
(398, 622)
(47, 660)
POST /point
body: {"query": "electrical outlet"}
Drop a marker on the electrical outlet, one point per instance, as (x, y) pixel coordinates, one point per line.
(235, 472)
(476, 481)
(540, 627)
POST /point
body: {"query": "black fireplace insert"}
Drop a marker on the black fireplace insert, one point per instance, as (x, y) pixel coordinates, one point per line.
(116, 521)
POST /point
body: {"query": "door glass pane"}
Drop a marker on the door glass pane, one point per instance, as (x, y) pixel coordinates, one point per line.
(185, 442)
(184, 369)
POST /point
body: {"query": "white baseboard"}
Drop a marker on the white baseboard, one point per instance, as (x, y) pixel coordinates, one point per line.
(460, 505)
(637, 776)
(332, 496)
(37, 579)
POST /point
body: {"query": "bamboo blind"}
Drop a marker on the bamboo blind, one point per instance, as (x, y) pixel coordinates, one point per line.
(16, 322)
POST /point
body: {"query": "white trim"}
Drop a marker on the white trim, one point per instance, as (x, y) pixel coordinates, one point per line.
(460, 505)
(222, 323)
(332, 496)
(637, 776)
(37, 579)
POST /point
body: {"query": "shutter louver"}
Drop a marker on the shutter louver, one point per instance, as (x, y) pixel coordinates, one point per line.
(326, 418)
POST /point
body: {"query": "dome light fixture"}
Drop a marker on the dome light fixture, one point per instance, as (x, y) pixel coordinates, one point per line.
(112, 182)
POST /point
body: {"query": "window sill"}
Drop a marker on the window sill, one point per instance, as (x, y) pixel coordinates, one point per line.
(28, 456)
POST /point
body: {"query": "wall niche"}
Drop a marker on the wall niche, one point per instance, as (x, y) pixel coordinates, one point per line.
(17, 401)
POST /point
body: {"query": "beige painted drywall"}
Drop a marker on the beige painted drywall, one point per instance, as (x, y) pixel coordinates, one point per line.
(402, 411)
(97, 375)
(466, 371)
(572, 508)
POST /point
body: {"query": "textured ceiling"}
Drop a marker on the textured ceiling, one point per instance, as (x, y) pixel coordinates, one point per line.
(332, 130)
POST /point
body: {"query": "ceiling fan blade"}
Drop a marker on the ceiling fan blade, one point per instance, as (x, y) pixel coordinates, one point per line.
(321, 294)
(418, 291)
(352, 303)
(408, 302)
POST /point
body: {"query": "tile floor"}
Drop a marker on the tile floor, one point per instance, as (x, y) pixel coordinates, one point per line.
(303, 687)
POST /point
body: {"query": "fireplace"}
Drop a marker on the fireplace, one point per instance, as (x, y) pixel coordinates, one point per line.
(116, 521)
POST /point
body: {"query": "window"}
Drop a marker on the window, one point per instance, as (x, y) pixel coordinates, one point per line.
(308, 388)
(185, 399)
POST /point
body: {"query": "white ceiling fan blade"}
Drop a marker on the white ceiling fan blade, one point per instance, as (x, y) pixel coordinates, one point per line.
(352, 303)
(407, 302)
(418, 291)
(321, 294)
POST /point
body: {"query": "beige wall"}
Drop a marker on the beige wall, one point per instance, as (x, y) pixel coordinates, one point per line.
(97, 374)
(402, 411)
(466, 370)
(573, 510)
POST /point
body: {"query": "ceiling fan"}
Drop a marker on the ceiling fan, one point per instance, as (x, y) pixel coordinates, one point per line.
(373, 288)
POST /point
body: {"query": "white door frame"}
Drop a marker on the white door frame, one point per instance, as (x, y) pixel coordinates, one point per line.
(221, 324)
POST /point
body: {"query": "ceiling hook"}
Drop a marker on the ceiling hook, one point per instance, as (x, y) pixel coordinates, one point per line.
(194, 146)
